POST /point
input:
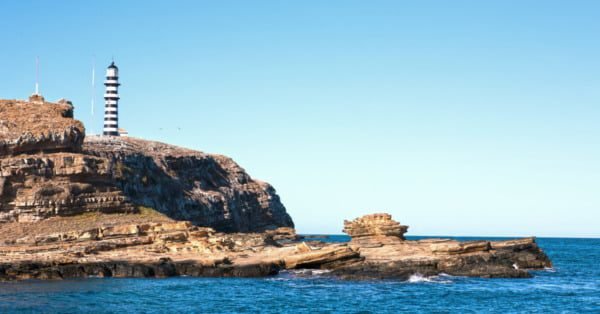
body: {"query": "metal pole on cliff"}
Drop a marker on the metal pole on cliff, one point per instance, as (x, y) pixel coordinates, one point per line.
(93, 89)
(37, 75)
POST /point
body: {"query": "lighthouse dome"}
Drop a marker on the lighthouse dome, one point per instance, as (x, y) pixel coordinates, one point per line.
(112, 70)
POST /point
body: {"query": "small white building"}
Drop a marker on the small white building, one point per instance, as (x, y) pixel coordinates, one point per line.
(123, 132)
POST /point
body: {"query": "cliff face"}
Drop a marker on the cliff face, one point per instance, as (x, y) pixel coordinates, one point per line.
(47, 170)
(107, 206)
(208, 190)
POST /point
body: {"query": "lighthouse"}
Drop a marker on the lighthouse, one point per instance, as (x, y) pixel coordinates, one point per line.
(111, 101)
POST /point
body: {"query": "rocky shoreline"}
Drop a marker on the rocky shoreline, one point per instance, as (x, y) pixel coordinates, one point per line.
(181, 249)
(73, 206)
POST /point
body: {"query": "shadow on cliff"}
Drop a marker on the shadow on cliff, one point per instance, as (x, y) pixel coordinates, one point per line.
(199, 190)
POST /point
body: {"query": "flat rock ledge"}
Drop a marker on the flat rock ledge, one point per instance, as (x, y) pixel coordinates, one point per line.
(378, 250)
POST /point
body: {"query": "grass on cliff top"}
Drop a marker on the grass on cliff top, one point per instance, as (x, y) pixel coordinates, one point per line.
(84, 221)
(149, 212)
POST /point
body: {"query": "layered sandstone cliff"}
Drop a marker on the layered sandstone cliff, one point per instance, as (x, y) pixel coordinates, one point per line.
(76, 206)
(152, 245)
(47, 170)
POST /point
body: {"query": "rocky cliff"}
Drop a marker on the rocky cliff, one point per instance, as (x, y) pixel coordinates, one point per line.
(48, 168)
(206, 189)
(72, 206)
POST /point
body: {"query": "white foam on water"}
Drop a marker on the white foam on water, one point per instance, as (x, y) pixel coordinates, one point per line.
(446, 275)
(419, 278)
(308, 272)
(291, 274)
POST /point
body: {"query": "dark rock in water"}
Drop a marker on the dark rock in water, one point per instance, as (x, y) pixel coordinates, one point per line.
(386, 255)
(160, 269)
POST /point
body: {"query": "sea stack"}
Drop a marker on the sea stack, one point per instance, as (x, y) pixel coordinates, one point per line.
(375, 229)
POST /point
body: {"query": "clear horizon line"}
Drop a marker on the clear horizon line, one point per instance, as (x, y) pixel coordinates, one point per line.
(468, 236)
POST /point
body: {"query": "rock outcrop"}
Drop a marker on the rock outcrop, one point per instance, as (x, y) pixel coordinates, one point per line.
(150, 249)
(72, 206)
(38, 127)
(385, 254)
(375, 230)
(153, 245)
(47, 170)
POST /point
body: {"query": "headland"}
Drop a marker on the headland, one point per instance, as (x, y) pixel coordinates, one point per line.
(99, 206)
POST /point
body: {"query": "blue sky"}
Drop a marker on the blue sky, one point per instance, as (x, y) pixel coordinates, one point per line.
(457, 117)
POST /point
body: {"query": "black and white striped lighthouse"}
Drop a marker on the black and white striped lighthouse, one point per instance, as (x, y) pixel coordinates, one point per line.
(111, 101)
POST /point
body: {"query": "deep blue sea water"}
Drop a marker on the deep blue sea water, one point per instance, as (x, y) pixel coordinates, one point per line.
(573, 286)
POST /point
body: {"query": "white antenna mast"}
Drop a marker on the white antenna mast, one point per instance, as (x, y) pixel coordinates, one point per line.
(93, 88)
(37, 75)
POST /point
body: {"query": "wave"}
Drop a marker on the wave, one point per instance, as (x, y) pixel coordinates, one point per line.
(292, 274)
(419, 278)
(301, 273)
(308, 272)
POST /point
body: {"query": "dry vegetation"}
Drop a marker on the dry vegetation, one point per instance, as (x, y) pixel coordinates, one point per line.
(20, 117)
(85, 221)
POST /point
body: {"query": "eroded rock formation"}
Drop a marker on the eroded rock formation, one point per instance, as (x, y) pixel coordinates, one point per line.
(375, 230)
(153, 245)
(127, 207)
(47, 170)
(206, 189)
(386, 254)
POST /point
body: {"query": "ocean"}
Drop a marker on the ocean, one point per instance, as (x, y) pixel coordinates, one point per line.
(572, 286)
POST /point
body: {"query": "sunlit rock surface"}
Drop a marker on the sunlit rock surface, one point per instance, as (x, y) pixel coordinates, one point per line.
(72, 206)
(47, 170)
